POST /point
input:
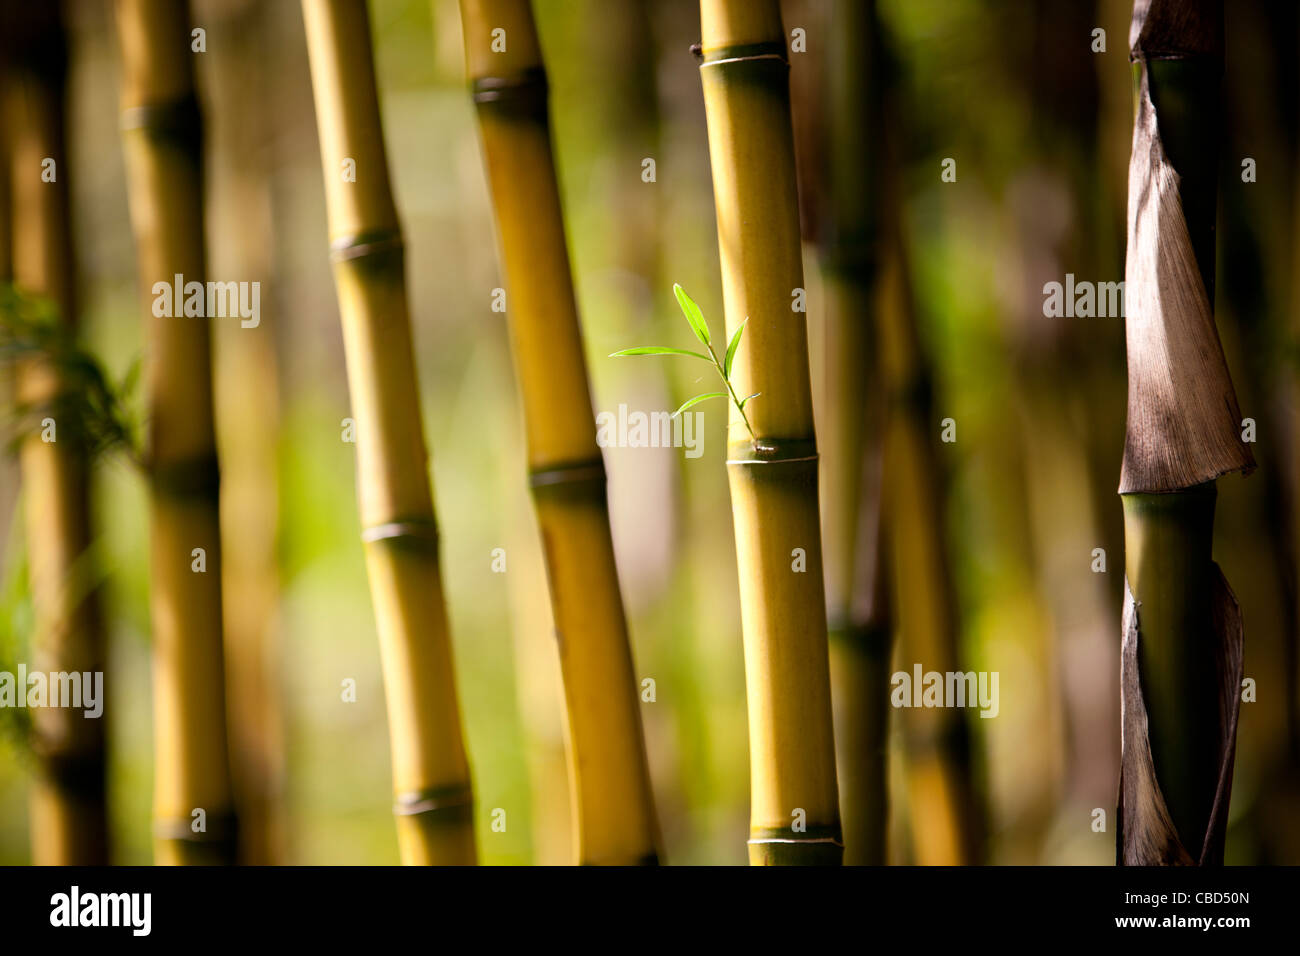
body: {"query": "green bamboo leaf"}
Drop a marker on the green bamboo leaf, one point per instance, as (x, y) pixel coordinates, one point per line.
(693, 314)
(659, 350)
(746, 399)
(697, 399)
(731, 349)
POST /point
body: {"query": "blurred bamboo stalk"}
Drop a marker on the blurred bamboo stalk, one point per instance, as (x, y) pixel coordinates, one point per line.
(9, 469)
(851, 421)
(773, 478)
(9, 479)
(945, 808)
(1182, 654)
(69, 816)
(162, 138)
(613, 802)
(247, 395)
(431, 779)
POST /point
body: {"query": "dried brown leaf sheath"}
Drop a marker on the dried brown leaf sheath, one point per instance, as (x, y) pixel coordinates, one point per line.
(1183, 419)
(1182, 643)
(1147, 835)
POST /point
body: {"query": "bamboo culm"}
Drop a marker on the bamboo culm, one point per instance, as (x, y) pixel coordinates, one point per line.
(194, 819)
(614, 817)
(69, 816)
(861, 630)
(431, 779)
(794, 814)
(1181, 658)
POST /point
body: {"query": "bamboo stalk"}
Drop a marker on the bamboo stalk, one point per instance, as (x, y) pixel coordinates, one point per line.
(945, 809)
(773, 478)
(162, 140)
(614, 818)
(69, 817)
(431, 779)
(248, 402)
(852, 425)
(9, 470)
(943, 802)
(1181, 664)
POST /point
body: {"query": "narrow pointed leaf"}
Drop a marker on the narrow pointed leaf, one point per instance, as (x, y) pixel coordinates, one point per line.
(731, 349)
(693, 314)
(697, 399)
(746, 399)
(659, 350)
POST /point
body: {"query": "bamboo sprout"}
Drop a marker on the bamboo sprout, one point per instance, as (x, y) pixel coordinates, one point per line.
(162, 140)
(1182, 632)
(852, 525)
(431, 779)
(614, 819)
(773, 476)
(69, 820)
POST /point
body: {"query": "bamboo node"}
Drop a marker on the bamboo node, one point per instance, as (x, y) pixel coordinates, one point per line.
(590, 472)
(458, 797)
(175, 120)
(416, 529)
(195, 477)
(743, 52)
(382, 242)
(527, 87)
(772, 451)
(219, 827)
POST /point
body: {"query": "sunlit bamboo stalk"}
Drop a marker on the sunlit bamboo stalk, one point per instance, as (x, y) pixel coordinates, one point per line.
(794, 814)
(613, 802)
(431, 780)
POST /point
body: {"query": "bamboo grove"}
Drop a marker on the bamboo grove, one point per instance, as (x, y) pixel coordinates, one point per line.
(626, 635)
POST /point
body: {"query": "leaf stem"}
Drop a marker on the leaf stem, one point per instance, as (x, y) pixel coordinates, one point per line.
(734, 397)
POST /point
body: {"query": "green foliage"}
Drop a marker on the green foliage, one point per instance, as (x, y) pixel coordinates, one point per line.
(90, 407)
(15, 622)
(695, 318)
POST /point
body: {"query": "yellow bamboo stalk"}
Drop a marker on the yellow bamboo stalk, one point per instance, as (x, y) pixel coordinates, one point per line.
(162, 141)
(69, 820)
(944, 810)
(794, 803)
(431, 779)
(248, 419)
(609, 773)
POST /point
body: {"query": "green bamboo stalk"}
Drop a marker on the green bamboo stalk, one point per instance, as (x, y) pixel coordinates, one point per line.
(613, 802)
(1181, 665)
(69, 815)
(431, 779)
(162, 141)
(773, 474)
